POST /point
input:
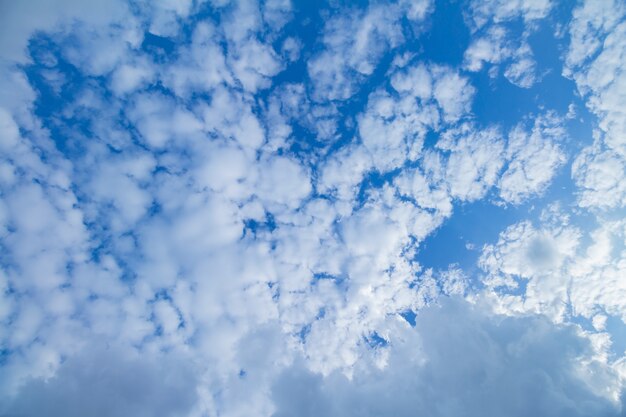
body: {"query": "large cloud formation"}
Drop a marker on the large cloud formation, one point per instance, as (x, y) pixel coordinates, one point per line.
(459, 361)
(225, 208)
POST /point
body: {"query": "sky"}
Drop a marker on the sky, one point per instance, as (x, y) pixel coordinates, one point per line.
(289, 208)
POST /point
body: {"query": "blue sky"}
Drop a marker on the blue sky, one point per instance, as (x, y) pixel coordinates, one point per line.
(289, 208)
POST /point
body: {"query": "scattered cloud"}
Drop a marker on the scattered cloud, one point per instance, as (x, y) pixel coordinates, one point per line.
(220, 208)
(354, 41)
(593, 61)
(493, 43)
(533, 159)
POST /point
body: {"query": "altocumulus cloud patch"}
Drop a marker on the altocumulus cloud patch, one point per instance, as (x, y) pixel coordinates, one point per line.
(280, 208)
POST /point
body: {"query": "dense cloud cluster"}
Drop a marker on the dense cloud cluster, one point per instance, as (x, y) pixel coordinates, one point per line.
(225, 208)
(460, 362)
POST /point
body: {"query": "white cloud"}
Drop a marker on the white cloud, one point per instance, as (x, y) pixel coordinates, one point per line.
(522, 71)
(594, 61)
(20, 20)
(393, 126)
(112, 381)
(354, 41)
(492, 42)
(591, 21)
(498, 11)
(460, 361)
(244, 61)
(599, 175)
(230, 115)
(393, 130)
(165, 15)
(283, 182)
(453, 93)
(160, 121)
(128, 77)
(416, 80)
(44, 238)
(201, 66)
(252, 61)
(415, 185)
(16, 93)
(291, 48)
(533, 159)
(97, 51)
(277, 13)
(491, 48)
(476, 158)
(119, 182)
(526, 252)
(343, 171)
(600, 267)
(567, 273)
(225, 169)
(182, 225)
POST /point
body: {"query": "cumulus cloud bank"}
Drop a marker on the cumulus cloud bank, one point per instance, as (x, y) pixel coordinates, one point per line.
(458, 361)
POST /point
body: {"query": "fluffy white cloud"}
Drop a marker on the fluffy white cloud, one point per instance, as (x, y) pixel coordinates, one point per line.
(493, 43)
(393, 126)
(460, 361)
(201, 66)
(230, 115)
(495, 47)
(490, 48)
(603, 80)
(112, 381)
(533, 158)
(594, 61)
(414, 184)
(526, 252)
(209, 228)
(591, 22)
(483, 12)
(453, 93)
(599, 175)
(160, 121)
(354, 41)
(564, 272)
(20, 20)
(130, 76)
(522, 71)
(283, 181)
(599, 268)
(476, 158)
